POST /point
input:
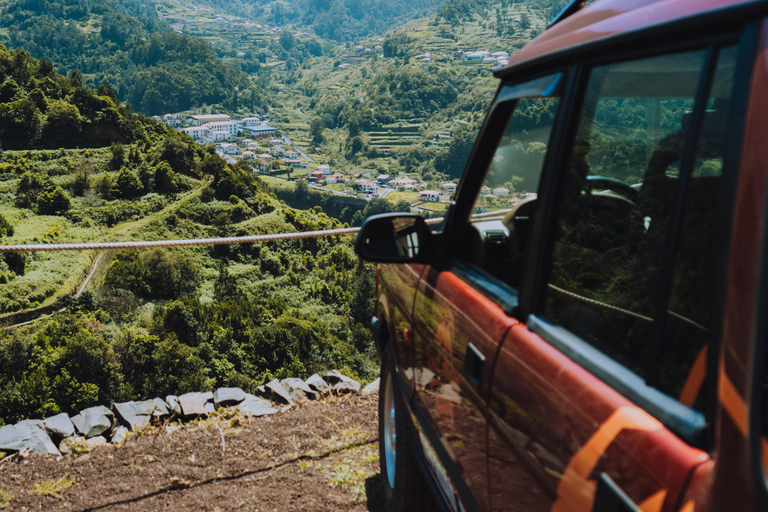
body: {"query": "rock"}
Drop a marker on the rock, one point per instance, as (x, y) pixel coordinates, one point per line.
(74, 444)
(209, 407)
(174, 404)
(120, 435)
(27, 435)
(95, 442)
(317, 383)
(59, 426)
(371, 388)
(193, 405)
(254, 406)
(224, 397)
(341, 383)
(298, 390)
(135, 415)
(161, 408)
(208, 395)
(278, 393)
(93, 421)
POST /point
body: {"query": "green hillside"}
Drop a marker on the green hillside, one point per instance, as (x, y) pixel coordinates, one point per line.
(165, 320)
(127, 48)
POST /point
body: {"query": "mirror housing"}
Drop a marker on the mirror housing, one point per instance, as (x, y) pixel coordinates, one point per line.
(394, 238)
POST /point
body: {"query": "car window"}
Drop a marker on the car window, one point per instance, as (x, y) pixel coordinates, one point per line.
(514, 172)
(634, 235)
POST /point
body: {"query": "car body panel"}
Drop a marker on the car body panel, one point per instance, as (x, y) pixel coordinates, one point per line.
(569, 427)
(397, 289)
(610, 18)
(449, 316)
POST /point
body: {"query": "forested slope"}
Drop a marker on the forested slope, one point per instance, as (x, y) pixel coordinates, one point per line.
(128, 48)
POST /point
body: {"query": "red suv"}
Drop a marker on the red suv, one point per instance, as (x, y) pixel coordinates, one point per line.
(600, 342)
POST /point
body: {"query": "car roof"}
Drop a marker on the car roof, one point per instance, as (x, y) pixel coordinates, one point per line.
(606, 20)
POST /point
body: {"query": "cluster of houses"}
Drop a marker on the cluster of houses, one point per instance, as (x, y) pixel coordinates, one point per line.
(262, 158)
(499, 58)
(212, 128)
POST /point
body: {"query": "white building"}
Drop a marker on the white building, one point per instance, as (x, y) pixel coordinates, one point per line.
(172, 119)
(325, 168)
(432, 196)
(229, 127)
(261, 131)
(251, 121)
(207, 118)
(197, 132)
(230, 149)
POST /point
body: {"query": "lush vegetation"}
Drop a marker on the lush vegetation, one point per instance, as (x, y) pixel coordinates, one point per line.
(139, 57)
(332, 19)
(168, 321)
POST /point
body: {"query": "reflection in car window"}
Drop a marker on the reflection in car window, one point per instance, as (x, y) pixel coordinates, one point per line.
(620, 189)
(517, 162)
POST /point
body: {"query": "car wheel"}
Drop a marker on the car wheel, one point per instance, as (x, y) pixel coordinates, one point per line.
(404, 485)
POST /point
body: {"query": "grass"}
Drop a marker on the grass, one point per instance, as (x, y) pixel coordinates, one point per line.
(53, 488)
(357, 466)
(5, 499)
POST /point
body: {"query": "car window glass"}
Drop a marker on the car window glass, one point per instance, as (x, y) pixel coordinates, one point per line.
(516, 166)
(619, 190)
(689, 309)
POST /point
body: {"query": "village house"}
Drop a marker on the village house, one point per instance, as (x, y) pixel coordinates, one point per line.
(293, 162)
(199, 120)
(291, 154)
(276, 150)
(368, 187)
(315, 177)
(383, 179)
(403, 183)
(229, 149)
(276, 142)
(450, 187)
(431, 196)
(337, 177)
(324, 168)
(501, 191)
(248, 155)
(251, 121)
(172, 119)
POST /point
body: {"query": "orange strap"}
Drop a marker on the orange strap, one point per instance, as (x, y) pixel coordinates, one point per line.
(575, 493)
(695, 379)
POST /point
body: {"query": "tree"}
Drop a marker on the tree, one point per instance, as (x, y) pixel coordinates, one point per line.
(128, 183)
(118, 156)
(31, 185)
(316, 127)
(54, 202)
(165, 179)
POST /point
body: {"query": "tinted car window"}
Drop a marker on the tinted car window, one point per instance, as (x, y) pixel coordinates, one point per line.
(617, 228)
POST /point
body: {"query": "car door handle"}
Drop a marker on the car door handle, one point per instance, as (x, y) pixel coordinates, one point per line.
(474, 362)
(610, 498)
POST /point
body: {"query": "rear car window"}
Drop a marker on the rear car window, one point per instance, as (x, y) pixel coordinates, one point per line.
(636, 222)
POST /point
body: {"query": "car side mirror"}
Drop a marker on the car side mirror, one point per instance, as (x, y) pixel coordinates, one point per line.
(394, 238)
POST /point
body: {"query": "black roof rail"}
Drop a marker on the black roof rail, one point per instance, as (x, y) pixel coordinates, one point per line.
(573, 7)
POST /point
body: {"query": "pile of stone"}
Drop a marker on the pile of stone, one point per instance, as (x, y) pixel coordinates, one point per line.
(96, 426)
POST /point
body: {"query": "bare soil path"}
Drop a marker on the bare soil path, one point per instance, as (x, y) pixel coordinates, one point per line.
(316, 456)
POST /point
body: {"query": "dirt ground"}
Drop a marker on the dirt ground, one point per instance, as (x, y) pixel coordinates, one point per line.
(316, 456)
